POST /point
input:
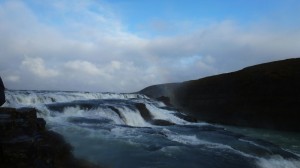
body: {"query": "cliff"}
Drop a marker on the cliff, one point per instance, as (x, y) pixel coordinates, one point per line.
(263, 96)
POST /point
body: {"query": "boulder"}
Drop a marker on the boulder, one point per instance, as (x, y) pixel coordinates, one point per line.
(160, 122)
(145, 113)
(147, 116)
(25, 142)
(2, 94)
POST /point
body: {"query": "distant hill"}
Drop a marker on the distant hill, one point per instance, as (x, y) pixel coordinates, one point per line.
(264, 96)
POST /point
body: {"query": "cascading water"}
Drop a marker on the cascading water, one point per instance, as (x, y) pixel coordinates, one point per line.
(131, 130)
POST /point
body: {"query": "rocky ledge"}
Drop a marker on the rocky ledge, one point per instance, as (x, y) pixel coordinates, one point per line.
(263, 96)
(25, 142)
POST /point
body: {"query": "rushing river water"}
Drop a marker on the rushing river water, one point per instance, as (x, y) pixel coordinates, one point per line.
(132, 130)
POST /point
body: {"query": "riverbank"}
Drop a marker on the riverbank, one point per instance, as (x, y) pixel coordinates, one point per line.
(25, 142)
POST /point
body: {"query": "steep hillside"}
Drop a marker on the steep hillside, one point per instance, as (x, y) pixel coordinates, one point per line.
(265, 96)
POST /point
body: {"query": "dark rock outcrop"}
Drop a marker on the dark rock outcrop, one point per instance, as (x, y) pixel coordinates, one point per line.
(165, 100)
(147, 116)
(2, 94)
(161, 122)
(25, 142)
(145, 113)
(264, 96)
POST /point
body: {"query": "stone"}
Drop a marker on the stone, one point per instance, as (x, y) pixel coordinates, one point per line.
(145, 113)
(25, 142)
(2, 93)
(161, 122)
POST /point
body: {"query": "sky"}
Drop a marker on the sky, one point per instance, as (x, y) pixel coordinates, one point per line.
(126, 45)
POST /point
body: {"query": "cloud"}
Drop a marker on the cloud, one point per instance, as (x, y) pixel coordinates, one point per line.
(13, 78)
(229, 45)
(37, 67)
(85, 67)
(85, 46)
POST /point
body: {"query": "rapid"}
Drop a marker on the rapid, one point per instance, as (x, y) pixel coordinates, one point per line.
(132, 130)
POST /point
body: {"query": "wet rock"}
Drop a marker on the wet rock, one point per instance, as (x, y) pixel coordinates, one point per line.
(25, 142)
(83, 120)
(2, 94)
(186, 117)
(117, 112)
(165, 100)
(145, 113)
(161, 122)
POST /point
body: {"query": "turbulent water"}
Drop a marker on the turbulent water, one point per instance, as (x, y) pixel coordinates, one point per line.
(113, 130)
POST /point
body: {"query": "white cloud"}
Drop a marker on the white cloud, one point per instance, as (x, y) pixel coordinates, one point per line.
(13, 78)
(116, 65)
(85, 68)
(37, 67)
(88, 49)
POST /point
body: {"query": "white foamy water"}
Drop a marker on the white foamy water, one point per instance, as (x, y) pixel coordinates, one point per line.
(278, 162)
(73, 112)
(132, 117)
(107, 128)
(186, 139)
(167, 115)
(19, 98)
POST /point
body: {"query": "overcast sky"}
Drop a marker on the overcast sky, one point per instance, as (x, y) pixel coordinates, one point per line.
(126, 45)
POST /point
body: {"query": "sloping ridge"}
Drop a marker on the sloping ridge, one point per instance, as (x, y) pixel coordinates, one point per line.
(265, 96)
